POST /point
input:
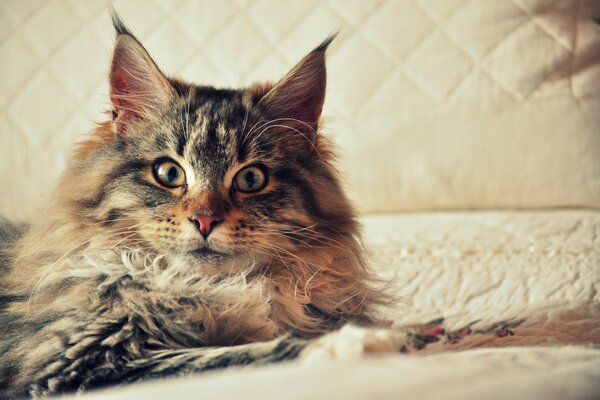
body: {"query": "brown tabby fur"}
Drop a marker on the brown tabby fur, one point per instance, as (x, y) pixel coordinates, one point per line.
(107, 279)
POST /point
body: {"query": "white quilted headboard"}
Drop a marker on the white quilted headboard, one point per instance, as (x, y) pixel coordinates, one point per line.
(434, 103)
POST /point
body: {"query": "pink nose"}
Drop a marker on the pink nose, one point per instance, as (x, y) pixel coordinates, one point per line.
(206, 223)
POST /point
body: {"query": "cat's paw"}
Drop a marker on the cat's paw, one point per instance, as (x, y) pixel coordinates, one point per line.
(353, 342)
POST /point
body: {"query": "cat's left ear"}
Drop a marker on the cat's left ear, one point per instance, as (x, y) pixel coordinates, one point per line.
(137, 86)
(301, 93)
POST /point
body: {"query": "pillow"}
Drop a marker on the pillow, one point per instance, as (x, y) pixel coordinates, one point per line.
(434, 105)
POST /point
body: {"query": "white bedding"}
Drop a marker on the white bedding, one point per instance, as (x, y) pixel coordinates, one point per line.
(543, 267)
(461, 264)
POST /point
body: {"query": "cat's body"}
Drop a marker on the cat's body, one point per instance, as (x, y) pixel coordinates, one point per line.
(193, 225)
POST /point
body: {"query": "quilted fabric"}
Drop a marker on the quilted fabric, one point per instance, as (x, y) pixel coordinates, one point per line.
(435, 104)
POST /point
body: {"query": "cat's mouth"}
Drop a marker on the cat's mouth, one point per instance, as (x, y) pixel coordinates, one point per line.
(207, 252)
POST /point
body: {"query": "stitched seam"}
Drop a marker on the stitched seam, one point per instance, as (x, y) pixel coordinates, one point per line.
(509, 91)
(535, 19)
(395, 63)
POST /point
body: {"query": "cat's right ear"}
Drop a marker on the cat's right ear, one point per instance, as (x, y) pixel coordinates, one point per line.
(137, 86)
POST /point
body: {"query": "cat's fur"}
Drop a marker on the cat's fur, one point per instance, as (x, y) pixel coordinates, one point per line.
(106, 287)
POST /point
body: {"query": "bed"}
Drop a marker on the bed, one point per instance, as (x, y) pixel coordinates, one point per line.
(469, 136)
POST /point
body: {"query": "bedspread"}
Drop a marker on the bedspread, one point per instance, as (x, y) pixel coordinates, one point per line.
(457, 264)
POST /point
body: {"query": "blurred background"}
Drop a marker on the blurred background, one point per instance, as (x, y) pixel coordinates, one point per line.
(434, 104)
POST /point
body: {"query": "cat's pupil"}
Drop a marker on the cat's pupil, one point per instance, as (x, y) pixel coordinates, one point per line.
(172, 174)
(250, 178)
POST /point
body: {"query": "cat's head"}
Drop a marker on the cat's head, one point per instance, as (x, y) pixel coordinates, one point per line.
(221, 177)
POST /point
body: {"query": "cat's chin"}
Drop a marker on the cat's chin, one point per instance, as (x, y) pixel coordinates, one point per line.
(215, 262)
(208, 253)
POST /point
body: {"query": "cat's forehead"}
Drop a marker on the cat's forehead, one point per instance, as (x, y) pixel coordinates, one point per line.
(211, 122)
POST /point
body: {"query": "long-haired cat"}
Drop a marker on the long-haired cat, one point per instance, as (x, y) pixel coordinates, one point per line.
(198, 228)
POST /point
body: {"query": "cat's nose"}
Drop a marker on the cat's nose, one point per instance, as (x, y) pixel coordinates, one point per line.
(206, 223)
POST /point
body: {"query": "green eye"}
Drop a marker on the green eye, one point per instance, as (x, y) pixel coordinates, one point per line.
(251, 179)
(169, 174)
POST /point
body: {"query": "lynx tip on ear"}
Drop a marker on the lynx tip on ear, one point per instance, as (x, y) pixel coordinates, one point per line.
(325, 44)
(120, 28)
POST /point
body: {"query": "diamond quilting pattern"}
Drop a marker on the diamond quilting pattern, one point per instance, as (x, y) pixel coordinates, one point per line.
(23, 63)
(438, 65)
(30, 103)
(392, 59)
(392, 28)
(540, 59)
(369, 71)
(469, 31)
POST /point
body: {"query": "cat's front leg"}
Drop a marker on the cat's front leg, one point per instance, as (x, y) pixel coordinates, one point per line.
(350, 342)
(93, 371)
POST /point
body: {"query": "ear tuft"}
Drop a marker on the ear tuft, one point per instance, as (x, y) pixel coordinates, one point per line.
(325, 44)
(301, 93)
(137, 86)
(120, 28)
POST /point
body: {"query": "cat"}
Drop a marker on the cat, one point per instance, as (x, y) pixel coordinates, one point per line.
(195, 229)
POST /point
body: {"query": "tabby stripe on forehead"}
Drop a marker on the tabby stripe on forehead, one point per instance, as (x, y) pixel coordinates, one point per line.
(170, 142)
(180, 145)
(182, 137)
(210, 137)
(242, 147)
(195, 130)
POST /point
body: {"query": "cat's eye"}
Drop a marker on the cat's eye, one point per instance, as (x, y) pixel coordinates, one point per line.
(251, 179)
(168, 173)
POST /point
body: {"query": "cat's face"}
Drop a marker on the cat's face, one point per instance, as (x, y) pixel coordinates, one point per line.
(227, 178)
